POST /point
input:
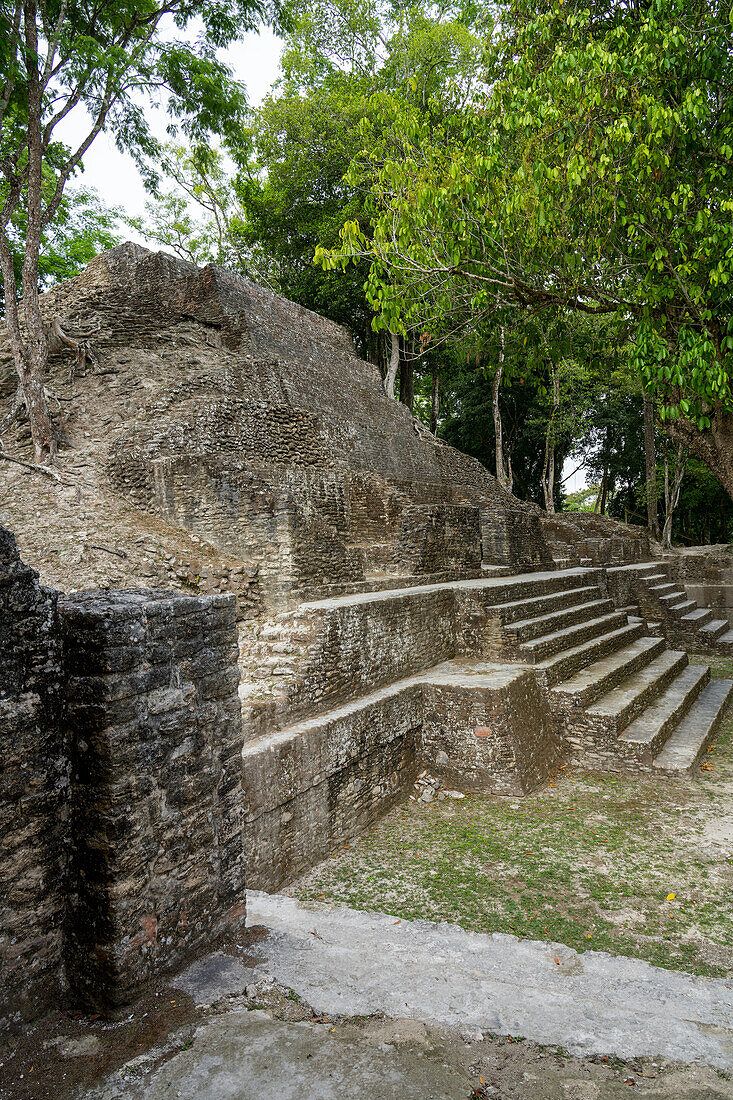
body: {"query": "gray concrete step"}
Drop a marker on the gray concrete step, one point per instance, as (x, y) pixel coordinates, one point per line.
(535, 606)
(557, 640)
(619, 706)
(646, 735)
(664, 588)
(637, 568)
(566, 663)
(713, 630)
(697, 618)
(495, 570)
(686, 607)
(526, 629)
(586, 686)
(727, 638)
(672, 597)
(689, 741)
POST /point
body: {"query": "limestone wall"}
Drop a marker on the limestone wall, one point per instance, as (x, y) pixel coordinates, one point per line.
(33, 791)
(120, 798)
(250, 421)
(156, 809)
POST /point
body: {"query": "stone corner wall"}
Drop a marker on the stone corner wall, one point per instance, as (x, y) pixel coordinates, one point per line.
(33, 792)
(121, 803)
(156, 854)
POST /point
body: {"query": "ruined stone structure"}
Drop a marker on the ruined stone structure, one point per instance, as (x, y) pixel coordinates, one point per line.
(121, 798)
(395, 610)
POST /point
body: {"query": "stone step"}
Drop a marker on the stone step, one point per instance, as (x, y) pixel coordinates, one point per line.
(536, 606)
(549, 644)
(698, 618)
(631, 609)
(618, 707)
(684, 608)
(671, 598)
(591, 682)
(689, 741)
(727, 638)
(495, 570)
(640, 568)
(663, 589)
(569, 661)
(645, 736)
(712, 631)
(526, 629)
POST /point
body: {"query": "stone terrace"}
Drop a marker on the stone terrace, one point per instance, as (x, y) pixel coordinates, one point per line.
(489, 683)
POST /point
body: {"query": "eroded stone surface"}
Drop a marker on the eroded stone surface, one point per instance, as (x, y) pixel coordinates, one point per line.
(352, 963)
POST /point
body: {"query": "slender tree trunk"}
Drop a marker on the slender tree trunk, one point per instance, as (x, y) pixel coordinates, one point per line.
(394, 365)
(548, 474)
(650, 458)
(30, 352)
(503, 468)
(600, 504)
(435, 400)
(407, 382)
(672, 490)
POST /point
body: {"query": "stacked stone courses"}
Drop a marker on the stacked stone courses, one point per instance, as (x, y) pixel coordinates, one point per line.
(34, 788)
(383, 606)
(121, 798)
(156, 791)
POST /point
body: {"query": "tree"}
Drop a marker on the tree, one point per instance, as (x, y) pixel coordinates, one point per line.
(342, 58)
(594, 175)
(294, 196)
(201, 218)
(59, 59)
(82, 228)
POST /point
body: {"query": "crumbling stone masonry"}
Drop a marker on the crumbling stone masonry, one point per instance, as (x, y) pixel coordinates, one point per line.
(33, 791)
(121, 792)
(395, 608)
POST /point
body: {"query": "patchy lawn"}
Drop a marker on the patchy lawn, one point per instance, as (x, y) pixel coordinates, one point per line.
(631, 865)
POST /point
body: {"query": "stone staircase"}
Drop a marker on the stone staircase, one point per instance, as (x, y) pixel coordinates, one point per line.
(488, 681)
(662, 601)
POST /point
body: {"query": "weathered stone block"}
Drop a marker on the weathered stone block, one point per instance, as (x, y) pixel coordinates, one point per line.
(156, 798)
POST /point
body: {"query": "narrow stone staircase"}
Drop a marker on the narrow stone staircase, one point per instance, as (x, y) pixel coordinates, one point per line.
(665, 602)
(622, 697)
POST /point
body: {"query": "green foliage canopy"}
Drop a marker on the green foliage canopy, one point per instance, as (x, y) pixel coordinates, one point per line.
(595, 175)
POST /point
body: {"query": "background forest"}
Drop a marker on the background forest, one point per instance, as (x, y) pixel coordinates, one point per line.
(522, 211)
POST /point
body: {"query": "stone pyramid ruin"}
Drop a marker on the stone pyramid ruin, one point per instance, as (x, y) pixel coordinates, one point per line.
(353, 601)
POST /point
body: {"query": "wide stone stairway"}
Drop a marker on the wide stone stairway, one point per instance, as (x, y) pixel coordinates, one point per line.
(488, 682)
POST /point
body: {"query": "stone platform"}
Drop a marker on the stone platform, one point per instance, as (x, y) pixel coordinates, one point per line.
(489, 683)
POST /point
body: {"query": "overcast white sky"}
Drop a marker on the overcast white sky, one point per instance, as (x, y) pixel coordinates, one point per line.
(254, 61)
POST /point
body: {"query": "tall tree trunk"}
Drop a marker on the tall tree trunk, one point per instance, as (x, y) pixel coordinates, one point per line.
(600, 504)
(394, 365)
(435, 400)
(650, 457)
(672, 493)
(503, 468)
(407, 382)
(548, 473)
(30, 351)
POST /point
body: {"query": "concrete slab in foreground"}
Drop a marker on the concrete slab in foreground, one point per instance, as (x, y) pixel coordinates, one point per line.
(349, 963)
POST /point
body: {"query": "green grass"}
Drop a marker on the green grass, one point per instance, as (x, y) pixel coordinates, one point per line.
(588, 862)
